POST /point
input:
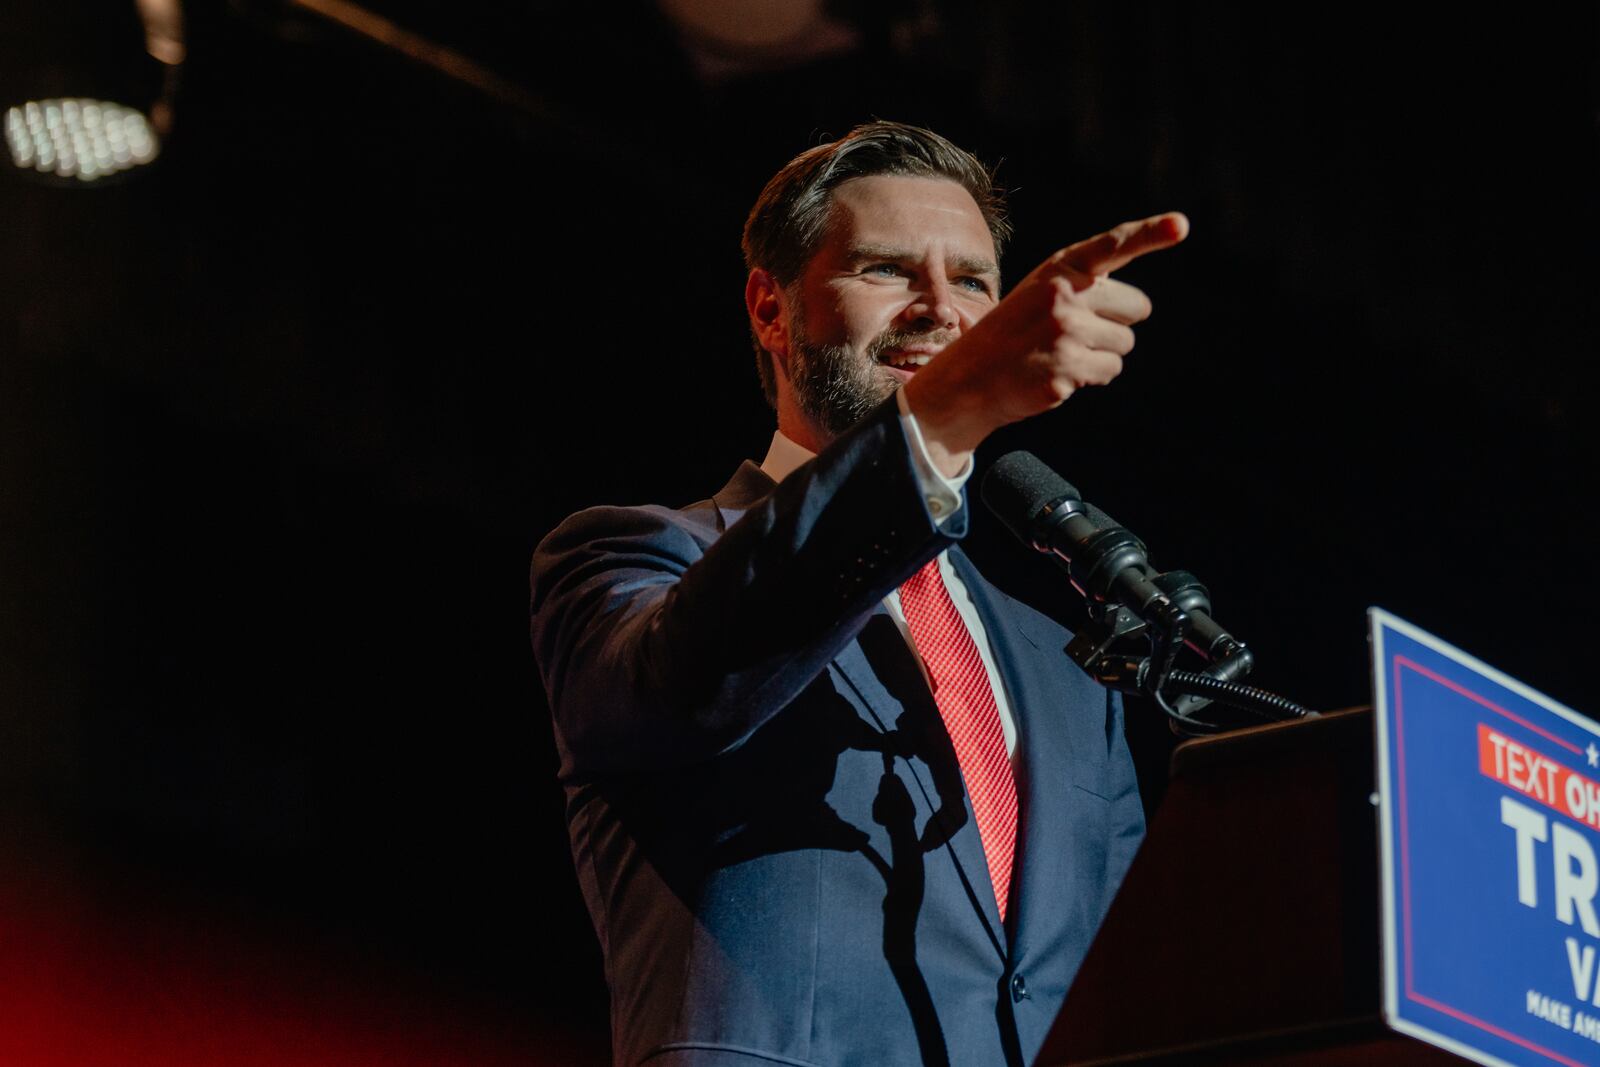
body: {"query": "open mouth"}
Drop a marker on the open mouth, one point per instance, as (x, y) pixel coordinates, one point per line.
(907, 361)
(906, 352)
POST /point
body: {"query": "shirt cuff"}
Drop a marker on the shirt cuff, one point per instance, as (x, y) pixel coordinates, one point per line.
(941, 494)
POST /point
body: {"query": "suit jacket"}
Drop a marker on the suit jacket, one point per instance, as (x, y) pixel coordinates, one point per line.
(767, 817)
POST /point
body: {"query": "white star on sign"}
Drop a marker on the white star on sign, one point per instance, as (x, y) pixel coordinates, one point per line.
(1593, 754)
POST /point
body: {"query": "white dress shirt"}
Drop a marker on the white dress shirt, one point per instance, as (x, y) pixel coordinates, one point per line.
(943, 497)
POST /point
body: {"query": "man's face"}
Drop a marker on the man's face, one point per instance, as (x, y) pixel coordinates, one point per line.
(907, 265)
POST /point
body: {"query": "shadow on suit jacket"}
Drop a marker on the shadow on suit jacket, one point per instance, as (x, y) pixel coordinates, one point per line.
(767, 817)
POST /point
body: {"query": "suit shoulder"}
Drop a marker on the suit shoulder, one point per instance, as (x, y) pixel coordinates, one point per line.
(620, 524)
(646, 536)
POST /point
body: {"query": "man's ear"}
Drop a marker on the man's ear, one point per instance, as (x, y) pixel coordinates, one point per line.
(769, 315)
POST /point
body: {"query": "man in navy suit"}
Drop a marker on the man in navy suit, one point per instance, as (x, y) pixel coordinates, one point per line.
(813, 827)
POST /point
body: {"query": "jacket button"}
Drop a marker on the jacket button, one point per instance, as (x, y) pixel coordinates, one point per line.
(1019, 988)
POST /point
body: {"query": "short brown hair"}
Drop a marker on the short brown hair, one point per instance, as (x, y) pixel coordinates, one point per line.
(790, 217)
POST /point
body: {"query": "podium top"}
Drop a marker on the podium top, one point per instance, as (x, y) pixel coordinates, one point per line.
(1346, 726)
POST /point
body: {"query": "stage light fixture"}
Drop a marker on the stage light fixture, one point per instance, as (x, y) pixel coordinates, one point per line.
(71, 75)
(82, 139)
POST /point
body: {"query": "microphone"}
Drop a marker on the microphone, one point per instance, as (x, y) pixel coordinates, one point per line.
(1105, 562)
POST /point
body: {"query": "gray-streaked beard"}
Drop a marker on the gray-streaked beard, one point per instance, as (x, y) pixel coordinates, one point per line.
(837, 388)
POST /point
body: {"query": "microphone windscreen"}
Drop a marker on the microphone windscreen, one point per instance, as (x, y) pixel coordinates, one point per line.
(1019, 487)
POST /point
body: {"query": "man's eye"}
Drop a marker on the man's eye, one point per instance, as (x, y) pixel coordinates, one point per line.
(887, 270)
(976, 285)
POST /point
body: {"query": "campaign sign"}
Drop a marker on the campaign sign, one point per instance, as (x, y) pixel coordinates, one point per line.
(1489, 795)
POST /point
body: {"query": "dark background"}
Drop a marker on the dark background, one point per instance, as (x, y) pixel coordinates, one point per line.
(282, 417)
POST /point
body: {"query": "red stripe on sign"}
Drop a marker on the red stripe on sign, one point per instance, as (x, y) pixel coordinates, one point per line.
(1478, 698)
(1538, 777)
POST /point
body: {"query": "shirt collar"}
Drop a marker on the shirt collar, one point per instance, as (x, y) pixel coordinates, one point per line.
(784, 456)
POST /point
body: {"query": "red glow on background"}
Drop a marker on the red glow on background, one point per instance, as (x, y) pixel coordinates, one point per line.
(85, 983)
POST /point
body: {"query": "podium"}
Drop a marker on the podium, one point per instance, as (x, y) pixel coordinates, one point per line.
(1247, 930)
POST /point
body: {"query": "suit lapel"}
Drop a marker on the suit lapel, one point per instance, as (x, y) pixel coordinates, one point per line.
(1023, 656)
(747, 488)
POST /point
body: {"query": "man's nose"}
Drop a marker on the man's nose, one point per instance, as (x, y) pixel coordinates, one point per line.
(934, 305)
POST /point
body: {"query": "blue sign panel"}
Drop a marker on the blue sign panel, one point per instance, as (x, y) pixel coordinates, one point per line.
(1489, 795)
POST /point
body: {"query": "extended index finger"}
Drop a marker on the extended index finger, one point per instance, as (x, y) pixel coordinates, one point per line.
(1123, 244)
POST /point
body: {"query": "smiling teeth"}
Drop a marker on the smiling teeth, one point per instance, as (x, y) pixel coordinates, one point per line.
(908, 361)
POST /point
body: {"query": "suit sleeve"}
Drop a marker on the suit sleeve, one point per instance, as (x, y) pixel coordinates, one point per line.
(660, 643)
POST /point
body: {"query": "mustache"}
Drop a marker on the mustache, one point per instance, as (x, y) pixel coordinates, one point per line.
(894, 338)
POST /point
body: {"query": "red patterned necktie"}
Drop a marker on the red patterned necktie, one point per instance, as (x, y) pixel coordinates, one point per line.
(966, 703)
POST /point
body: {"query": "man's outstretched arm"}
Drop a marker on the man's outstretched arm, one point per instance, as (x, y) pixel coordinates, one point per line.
(660, 643)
